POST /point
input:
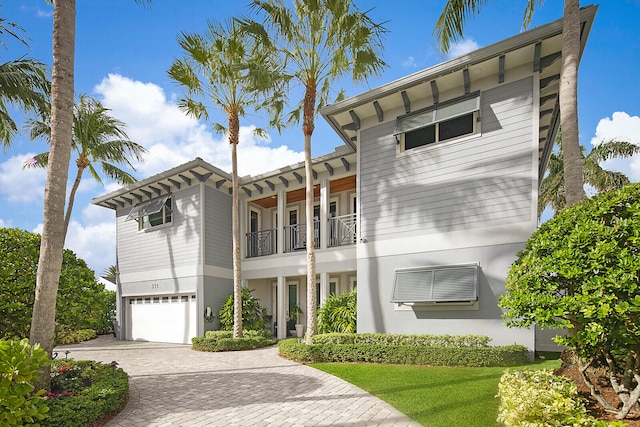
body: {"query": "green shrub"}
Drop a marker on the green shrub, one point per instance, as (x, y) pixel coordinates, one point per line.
(404, 340)
(75, 336)
(105, 390)
(403, 354)
(224, 341)
(541, 399)
(338, 313)
(19, 364)
(254, 316)
(82, 302)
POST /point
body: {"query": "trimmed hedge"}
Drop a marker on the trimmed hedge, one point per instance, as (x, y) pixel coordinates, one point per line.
(404, 340)
(224, 341)
(72, 337)
(107, 392)
(403, 354)
(541, 399)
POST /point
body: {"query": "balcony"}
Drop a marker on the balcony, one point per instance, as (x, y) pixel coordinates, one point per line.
(342, 230)
(261, 243)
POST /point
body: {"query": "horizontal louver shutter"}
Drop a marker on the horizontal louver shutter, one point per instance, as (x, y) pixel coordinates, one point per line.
(436, 284)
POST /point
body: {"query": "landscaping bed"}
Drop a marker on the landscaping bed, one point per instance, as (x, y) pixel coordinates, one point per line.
(224, 341)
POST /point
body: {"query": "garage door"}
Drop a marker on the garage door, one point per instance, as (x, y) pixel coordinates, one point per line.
(169, 318)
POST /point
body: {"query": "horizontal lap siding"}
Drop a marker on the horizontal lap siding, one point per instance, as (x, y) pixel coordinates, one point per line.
(218, 233)
(166, 246)
(473, 183)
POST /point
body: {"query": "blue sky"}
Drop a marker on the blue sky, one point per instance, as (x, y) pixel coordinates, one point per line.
(123, 51)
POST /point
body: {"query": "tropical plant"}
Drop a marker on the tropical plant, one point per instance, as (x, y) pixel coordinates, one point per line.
(98, 138)
(580, 270)
(110, 272)
(449, 28)
(254, 315)
(226, 69)
(83, 302)
(338, 313)
(552, 186)
(320, 41)
(23, 83)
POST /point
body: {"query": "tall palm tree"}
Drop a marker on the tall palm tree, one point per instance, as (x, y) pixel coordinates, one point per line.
(321, 41)
(23, 83)
(449, 28)
(98, 138)
(53, 231)
(228, 70)
(552, 190)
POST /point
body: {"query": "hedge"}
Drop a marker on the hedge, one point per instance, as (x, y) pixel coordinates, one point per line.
(72, 337)
(403, 354)
(224, 341)
(404, 340)
(107, 393)
(538, 398)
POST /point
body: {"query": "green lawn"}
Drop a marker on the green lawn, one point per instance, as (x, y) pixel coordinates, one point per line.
(433, 396)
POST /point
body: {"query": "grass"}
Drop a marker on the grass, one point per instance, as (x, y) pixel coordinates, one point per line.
(433, 396)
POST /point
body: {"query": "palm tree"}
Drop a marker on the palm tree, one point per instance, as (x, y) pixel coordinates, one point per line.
(53, 231)
(23, 83)
(321, 41)
(110, 272)
(552, 191)
(232, 73)
(449, 28)
(97, 138)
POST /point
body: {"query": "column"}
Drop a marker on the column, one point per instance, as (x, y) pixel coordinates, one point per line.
(324, 213)
(281, 315)
(324, 287)
(282, 204)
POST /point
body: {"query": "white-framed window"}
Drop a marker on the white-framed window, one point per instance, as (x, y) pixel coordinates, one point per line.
(152, 213)
(442, 122)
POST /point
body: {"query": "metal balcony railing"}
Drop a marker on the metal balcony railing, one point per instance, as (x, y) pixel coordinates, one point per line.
(295, 236)
(342, 230)
(261, 243)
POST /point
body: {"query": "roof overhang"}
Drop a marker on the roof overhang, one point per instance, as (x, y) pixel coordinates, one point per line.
(540, 48)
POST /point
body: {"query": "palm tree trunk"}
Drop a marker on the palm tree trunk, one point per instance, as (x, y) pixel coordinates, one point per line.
(53, 233)
(234, 132)
(72, 197)
(307, 129)
(573, 175)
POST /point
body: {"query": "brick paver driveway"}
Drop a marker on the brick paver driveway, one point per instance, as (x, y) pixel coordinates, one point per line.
(173, 385)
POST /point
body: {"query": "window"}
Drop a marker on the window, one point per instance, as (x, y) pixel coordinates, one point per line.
(456, 283)
(153, 213)
(438, 123)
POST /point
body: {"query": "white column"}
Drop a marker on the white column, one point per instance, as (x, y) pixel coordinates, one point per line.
(243, 207)
(281, 315)
(324, 287)
(282, 204)
(324, 212)
(244, 283)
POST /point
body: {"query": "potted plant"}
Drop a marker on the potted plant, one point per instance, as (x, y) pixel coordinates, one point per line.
(294, 316)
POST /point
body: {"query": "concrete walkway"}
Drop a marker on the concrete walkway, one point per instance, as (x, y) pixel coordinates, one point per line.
(173, 385)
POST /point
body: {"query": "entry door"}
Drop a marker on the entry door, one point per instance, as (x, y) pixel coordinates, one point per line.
(292, 301)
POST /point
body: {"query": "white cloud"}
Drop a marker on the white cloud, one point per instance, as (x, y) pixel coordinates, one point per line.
(620, 126)
(172, 138)
(3, 224)
(410, 62)
(20, 185)
(462, 47)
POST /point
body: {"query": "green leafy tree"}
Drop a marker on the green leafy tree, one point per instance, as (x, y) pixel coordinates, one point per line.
(449, 28)
(225, 69)
(254, 316)
(339, 314)
(320, 41)
(83, 303)
(23, 83)
(581, 270)
(99, 140)
(552, 186)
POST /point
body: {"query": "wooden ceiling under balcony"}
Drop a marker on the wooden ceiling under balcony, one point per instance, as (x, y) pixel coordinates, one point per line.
(336, 186)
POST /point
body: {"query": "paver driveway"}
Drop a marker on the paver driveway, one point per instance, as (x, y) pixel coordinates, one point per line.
(173, 385)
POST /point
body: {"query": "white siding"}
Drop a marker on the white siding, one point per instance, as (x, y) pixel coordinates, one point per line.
(472, 183)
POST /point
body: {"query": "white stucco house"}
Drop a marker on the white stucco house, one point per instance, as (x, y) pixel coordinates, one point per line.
(424, 206)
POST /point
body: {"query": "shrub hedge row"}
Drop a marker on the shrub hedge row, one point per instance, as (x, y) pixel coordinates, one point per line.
(72, 337)
(224, 341)
(539, 398)
(403, 354)
(404, 340)
(108, 391)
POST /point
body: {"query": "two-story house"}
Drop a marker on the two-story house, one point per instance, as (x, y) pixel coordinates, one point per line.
(424, 207)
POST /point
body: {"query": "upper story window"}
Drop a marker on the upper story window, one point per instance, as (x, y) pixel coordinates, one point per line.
(438, 123)
(152, 214)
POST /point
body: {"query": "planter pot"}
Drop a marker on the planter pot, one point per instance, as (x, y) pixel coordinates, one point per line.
(299, 330)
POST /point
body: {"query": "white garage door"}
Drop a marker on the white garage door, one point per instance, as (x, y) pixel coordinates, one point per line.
(169, 318)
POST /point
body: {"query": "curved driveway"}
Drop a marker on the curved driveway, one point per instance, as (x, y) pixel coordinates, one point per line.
(173, 385)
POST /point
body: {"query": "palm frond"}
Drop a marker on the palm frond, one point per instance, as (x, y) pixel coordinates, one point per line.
(450, 25)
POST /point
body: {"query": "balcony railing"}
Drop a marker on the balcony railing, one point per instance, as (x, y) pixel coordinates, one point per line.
(261, 243)
(295, 236)
(342, 230)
